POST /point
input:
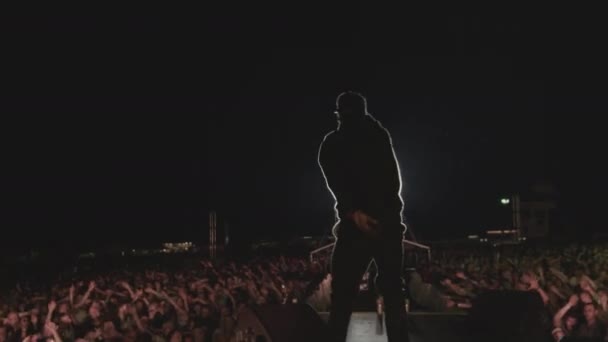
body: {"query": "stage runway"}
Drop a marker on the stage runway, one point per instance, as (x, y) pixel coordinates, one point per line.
(363, 327)
(425, 327)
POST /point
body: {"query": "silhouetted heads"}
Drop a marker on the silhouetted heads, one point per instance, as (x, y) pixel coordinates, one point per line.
(350, 104)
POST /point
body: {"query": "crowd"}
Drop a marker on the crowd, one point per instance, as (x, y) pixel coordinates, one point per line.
(188, 304)
(202, 303)
(571, 281)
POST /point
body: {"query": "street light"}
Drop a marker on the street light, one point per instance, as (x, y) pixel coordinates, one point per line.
(514, 211)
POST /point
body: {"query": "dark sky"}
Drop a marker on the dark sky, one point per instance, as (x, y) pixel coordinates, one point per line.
(131, 128)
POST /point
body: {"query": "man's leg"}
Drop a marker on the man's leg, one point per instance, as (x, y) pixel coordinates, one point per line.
(350, 258)
(389, 257)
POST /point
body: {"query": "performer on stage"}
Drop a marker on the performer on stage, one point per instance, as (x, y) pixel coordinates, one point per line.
(362, 172)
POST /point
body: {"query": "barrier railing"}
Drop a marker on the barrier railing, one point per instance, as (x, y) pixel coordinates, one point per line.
(405, 242)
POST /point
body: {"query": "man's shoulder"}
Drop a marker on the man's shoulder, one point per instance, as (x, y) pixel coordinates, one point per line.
(378, 129)
(330, 137)
(383, 131)
(328, 145)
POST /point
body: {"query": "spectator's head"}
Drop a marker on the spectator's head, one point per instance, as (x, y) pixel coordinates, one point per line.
(197, 308)
(114, 300)
(91, 335)
(205, 311)
(145, 321)
(12, 319)
(198, 334)
(166, 306)
(130, 335)
(590, 312)
(445, 281)
(109, 330)
(176, 336)
(570, 321)
(65, 319)
(153, 308)
(521, 286)
(24, 322)
(586, 297)
(63, 308)
(226, 311)
(168, 327)
(140, 306)
(95, 310)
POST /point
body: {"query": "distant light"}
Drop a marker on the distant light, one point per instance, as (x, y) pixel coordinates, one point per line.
(492, 232)
(473, 237)
(505, 201)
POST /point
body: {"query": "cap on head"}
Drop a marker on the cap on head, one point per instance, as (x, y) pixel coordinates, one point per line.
(351, 103)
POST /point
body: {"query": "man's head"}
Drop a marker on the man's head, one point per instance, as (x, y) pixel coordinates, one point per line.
(590, 312)
(65, 319)
(167, 327)
(13, 319)
(350, 105)
(570, 321)
(586, 297)
(206, 312)
(94, 310)
(63, 308)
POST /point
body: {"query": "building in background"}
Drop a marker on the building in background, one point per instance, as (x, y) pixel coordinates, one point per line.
(536, 218)
(535, 210)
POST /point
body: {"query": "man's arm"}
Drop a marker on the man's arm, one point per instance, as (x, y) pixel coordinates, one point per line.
(335, 176)
(559, 315)
(391, 174)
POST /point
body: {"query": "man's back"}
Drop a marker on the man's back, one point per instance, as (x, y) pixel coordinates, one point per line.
(361, 170)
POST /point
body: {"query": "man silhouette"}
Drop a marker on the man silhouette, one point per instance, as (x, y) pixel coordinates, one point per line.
(361, 170)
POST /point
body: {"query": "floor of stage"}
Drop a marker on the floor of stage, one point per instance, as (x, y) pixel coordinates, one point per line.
(365, 327)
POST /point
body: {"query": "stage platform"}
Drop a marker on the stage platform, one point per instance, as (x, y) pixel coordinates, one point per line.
(423, 326)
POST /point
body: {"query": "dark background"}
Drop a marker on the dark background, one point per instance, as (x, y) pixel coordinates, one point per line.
(130, 128)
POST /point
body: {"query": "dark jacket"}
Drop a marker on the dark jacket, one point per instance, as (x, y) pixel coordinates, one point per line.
(361, 170)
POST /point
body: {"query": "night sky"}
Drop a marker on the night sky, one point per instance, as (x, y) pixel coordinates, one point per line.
(129, 129)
